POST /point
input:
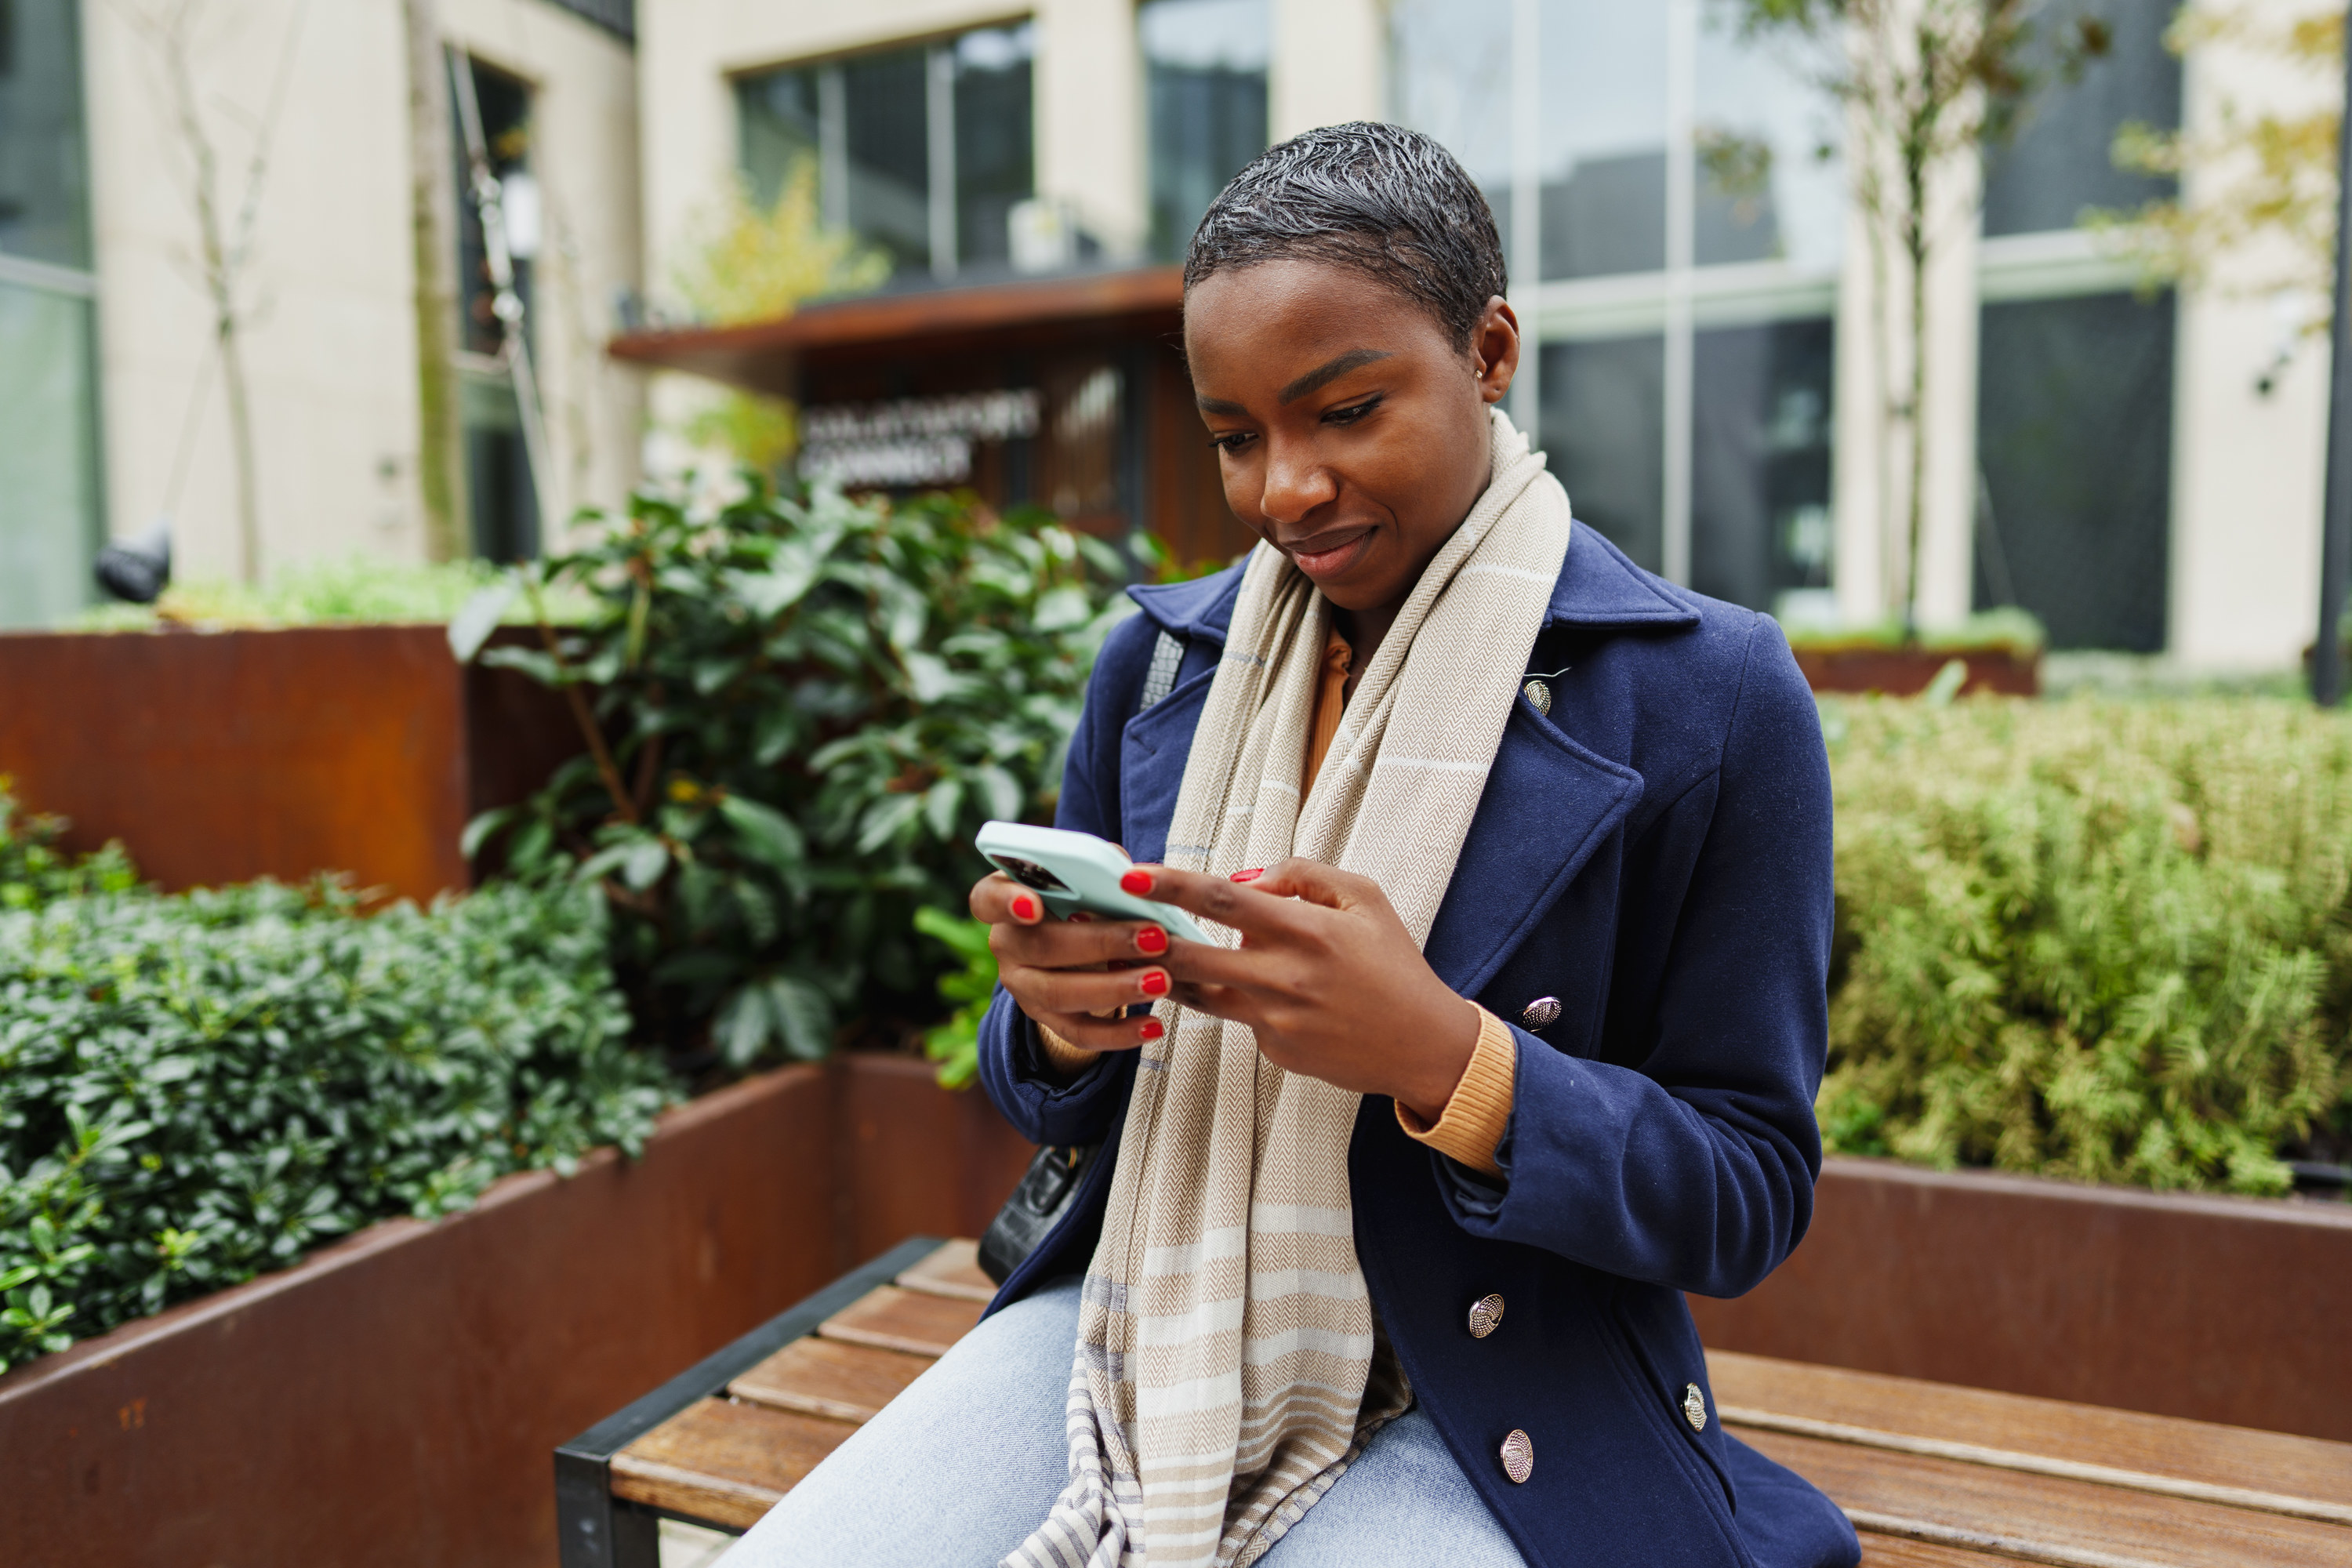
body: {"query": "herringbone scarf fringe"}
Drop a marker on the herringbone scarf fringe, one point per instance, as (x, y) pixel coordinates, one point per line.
(1227, 1369)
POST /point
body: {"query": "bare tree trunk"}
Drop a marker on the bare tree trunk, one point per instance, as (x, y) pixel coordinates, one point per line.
(1915, 499)
(433, 209)
(220, 270)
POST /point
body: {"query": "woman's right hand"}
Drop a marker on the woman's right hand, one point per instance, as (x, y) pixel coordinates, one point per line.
(1073, 976)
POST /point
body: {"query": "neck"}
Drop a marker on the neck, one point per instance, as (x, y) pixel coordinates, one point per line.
(1363, 629)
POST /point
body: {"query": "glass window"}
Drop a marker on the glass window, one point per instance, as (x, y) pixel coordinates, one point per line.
(887, 129)
(1450, 73)
(505, 105)
(1204, 77)
(2063, 159)
(43, 163)
(1603, 427)
(48, 456)
(1761, 528)
(499, 492)
(1767, 185)
(2074, 445)
(1603, 146)
(994, 169)
(778, 119)
(936, 196)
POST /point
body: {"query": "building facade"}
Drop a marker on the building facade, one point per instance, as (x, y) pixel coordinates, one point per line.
(115, 413)
(2140, 470)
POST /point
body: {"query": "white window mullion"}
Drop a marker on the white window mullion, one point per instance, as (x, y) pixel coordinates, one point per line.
(1682, 73)
(1526, 259)
(940, 122)
(833, 145)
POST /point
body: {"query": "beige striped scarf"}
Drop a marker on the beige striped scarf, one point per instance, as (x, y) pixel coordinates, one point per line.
(1227, 1369)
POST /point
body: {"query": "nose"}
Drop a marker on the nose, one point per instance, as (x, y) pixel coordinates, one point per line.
(1296, 482)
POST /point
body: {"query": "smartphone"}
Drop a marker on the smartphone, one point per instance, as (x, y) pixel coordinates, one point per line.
(1075, 872)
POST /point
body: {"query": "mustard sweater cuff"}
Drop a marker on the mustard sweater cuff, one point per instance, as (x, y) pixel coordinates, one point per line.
(1473, 1119)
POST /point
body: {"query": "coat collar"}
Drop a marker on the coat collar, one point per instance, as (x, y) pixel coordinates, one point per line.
(1598, 586)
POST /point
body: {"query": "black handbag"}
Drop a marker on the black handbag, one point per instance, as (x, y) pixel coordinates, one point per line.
(1047, 1189)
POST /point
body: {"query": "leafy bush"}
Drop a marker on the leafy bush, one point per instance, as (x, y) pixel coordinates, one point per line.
(802, 710)
(198, 1088)
(2105, 941)
(356, 589)
(2017, 631)
(33, 871)
(955, 1043)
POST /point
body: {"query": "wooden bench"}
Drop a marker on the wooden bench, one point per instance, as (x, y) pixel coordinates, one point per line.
(1933, 1475)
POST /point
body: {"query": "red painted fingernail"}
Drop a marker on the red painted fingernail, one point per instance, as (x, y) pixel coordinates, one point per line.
(1249, 876)
(1155, 983)
(1151, 1029)
(1135, 882)
(1025, 907)
(1152, 939)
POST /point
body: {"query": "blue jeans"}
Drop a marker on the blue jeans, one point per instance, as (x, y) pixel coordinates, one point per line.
(958, 1470)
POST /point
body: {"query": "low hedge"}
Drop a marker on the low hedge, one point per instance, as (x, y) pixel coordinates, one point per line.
(195, 1088)
(2092, 938)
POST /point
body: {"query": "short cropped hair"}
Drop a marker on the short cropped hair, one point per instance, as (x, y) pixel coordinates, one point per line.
(1388, 203)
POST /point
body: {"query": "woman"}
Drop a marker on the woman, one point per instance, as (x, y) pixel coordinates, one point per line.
(1526, 854)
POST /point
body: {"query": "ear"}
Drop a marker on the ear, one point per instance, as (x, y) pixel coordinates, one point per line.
(1495, 349)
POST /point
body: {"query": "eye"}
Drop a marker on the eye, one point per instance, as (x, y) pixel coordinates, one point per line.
(1352, 413)
(1232, 441)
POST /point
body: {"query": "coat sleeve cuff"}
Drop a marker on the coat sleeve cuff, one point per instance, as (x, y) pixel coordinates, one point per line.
(1474, 1120)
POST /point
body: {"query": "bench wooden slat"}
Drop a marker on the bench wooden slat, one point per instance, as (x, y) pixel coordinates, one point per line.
(893, 1318)
(953, 1270)
(2072, 1525)
(832, 1378)
(724, 1463)
(1894, 1552)
(2192, 1451)
(1933, 1475)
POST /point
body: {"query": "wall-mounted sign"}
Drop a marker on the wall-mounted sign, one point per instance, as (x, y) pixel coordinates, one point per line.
(910, 440)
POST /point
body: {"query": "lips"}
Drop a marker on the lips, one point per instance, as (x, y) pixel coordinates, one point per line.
(1331, 552)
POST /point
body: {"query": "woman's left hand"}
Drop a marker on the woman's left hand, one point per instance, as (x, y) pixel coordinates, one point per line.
(1326, 974)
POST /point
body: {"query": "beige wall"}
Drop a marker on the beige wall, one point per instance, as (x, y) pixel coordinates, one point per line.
(2248, 468)
(330, 347)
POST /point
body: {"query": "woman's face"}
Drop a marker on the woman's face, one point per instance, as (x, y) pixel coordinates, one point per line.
(1351, 428)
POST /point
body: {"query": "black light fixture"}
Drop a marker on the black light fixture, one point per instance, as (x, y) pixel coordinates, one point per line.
(138, 570)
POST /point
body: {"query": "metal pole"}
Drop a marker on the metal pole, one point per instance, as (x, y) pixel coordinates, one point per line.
(489, 199)
(2335, 519)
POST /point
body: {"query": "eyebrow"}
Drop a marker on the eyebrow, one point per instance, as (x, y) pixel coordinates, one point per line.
(1328, 373)
(1219, 405)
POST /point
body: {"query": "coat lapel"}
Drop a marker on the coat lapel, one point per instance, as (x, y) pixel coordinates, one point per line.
(1549, 802)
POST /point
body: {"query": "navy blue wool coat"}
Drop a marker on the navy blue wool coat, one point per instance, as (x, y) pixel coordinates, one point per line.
(1655, 855)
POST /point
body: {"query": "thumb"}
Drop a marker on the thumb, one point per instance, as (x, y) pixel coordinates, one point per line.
(1314, 882)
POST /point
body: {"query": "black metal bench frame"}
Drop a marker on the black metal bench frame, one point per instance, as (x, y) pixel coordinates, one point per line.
(597, 1529)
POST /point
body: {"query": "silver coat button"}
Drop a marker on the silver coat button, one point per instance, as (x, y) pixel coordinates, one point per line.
(1694, 1407)
(1540, 1013)
(1486, 1316)
(1539, 695)
(1518, 1456)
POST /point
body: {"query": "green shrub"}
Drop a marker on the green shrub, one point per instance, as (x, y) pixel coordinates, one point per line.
(2104, 941)
(955, 1043)
(198, 1088)
(33, 871)
(356, 589)
(805, 709)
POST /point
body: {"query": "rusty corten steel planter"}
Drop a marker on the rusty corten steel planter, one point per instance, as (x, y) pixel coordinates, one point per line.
(221, 757)
(2217, 1309)
(1905, 672)
(394, 1400)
